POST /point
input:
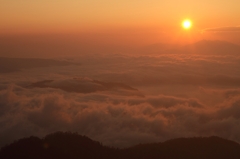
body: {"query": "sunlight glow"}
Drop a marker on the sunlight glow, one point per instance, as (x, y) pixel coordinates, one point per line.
(186, 24)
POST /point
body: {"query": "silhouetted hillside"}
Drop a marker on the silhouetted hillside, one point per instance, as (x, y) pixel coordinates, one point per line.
(58, 145)
(72, 146)
(187, 148)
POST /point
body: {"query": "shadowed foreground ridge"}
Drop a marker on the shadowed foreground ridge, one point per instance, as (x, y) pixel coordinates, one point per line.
(72, 146)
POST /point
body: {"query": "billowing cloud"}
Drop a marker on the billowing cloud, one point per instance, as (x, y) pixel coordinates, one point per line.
(113, 120)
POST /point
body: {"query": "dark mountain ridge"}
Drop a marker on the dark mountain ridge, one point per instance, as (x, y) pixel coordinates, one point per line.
(72, 146)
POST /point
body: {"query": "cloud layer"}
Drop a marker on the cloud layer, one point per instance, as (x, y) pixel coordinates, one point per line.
(115, 120)
(122, 100)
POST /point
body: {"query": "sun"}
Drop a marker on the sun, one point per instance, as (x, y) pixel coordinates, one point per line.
(187, 24)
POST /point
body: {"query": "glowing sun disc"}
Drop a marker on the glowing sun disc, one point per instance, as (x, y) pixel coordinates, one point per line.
(186, 24)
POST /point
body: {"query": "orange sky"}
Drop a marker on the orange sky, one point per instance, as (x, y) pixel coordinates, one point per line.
(152, 17)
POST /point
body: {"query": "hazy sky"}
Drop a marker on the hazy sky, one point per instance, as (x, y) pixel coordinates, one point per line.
(68, 15)
(142, 21)
(106, 12)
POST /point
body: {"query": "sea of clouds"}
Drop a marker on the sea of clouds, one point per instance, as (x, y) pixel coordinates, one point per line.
(122, 100)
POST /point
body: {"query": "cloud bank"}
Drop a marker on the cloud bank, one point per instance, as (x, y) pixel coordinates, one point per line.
(115, 120)
(223, 29)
